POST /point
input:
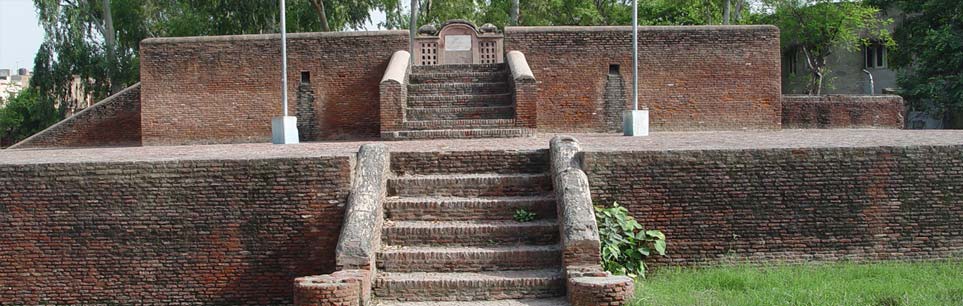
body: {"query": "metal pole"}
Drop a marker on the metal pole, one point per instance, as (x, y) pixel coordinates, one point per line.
(284, 61)
(635, 54)
(412, 31)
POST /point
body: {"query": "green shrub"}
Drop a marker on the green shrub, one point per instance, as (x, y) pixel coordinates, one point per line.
(523, 215)
(625, 244)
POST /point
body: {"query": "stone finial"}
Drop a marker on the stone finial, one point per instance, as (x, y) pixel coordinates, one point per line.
(488, 28)
(428, 29)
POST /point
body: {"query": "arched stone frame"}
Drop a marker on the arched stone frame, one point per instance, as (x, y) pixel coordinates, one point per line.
(458, 42)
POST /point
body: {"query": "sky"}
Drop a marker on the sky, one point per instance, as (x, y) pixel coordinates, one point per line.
(20, 34)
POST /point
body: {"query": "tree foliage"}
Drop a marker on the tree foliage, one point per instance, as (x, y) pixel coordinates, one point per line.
(930, 56)
(25, 114)
(818, 27)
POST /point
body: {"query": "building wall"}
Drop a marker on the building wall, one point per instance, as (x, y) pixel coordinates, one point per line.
(691, 78)
(225, 89)
(845, 76)
(791, 204)
(835, 111)
(194, 232)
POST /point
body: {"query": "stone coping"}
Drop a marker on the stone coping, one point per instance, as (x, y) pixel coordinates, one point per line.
(554, 29)
(658, 141)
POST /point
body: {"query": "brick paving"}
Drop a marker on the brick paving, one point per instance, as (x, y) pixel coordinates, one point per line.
(718, 140)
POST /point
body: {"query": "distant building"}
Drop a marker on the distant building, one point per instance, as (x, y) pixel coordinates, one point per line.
(4, 75)
(861, 72)
(11, 85)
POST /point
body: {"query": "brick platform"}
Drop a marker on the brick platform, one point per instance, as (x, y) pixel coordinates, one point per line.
(241, 222)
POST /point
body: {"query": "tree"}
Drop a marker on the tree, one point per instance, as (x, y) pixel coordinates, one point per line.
(817, 27)
(24, 115)
(930, 57)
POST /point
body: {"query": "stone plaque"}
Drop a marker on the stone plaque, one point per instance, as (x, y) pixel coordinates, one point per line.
(457, 42)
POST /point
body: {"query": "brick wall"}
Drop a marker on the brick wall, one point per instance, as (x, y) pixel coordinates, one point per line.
(842, 111)
(691, 78)
(225, 89)
(115, 121)
(206, 232)
(791, 204)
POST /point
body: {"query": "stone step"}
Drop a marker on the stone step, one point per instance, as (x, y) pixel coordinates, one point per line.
(458, 68)
(469, 259)
(455, 113)
(560, 301)
(466, 286)
(459, 124)
(470, 233)
(458, 77)
(457, 134)
(470, 185)
(502, 99)
(450, 162)
(466, 209)
(458, 88)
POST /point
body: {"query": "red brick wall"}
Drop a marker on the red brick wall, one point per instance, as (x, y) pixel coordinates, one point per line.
(691, 78)
(115, 121)
(226, 89)
(188, 232)
(842, 111)
(791, 204)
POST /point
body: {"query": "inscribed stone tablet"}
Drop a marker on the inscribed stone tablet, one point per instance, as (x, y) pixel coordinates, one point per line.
(457, 43)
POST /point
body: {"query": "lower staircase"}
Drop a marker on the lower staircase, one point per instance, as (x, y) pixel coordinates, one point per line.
(449, 236)
(459, 101)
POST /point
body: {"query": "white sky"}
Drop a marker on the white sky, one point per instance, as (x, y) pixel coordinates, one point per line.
(20, 34)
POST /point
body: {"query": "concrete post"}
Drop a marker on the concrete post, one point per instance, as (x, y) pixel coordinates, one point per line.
(284, 129)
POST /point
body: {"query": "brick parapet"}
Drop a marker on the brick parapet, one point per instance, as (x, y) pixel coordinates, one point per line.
(686, 80)
(791, 205)
(223, 89)
(114, 121)
(842, 111)
(186, 232)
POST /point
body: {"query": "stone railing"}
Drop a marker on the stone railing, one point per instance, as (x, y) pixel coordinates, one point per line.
(360, 237)
(394, 92)
(523, 85)
(587, 283)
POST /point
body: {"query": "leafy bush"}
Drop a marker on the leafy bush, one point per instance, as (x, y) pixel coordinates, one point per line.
(625, 244)
(523, 215)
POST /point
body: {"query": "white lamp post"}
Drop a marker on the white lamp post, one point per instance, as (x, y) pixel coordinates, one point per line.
(635, 122)
(284, 129)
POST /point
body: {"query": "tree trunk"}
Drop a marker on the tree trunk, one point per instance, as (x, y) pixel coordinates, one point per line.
(737, 12)
(110, 38)
(319, 8)
(514, 13)
(726, 11)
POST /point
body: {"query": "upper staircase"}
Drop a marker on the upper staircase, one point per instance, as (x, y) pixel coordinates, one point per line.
(459, 101)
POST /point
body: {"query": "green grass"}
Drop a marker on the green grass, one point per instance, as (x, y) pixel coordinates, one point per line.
(876, 284)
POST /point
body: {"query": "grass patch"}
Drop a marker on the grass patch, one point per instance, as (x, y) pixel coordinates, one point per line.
(874, 284)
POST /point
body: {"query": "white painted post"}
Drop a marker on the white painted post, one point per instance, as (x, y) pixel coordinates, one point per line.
(284, 129)
(635, 122)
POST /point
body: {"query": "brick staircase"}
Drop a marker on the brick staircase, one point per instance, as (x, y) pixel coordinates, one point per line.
(460, 101)
(449, 237)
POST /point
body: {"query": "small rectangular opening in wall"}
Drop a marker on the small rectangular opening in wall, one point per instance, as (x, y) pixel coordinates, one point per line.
(305, 77)
(614, 69)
